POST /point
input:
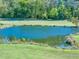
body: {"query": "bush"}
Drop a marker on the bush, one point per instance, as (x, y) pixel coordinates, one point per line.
(12, 38)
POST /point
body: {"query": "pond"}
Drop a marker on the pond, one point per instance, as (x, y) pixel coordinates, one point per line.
(34, 32)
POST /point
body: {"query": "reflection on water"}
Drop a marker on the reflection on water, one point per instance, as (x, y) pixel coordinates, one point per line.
(37, 31)
(53, 36)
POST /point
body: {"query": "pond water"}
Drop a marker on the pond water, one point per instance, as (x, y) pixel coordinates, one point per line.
(33, 32)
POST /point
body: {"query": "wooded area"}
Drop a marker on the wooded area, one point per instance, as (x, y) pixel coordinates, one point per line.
(41, 9)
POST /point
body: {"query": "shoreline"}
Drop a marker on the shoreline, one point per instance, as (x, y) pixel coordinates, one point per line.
(5, 24)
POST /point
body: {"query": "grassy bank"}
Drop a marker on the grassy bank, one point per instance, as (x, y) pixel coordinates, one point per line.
(75, 36)
(22, 51)
(4, 24)
(49, 41)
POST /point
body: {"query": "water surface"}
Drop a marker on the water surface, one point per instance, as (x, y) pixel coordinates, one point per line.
(37, 31)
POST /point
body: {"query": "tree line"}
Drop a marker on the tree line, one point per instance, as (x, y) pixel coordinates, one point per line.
(41, 9)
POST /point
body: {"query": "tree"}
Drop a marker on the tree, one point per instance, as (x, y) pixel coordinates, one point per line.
(42, 9)
(53, 13)
(75, 21)
(67, 13)
(77, 13)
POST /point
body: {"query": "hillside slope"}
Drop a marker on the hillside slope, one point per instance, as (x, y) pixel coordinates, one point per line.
(23, 51)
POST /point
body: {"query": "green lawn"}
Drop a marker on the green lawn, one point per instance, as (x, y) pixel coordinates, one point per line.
(4, 24)
(25, 51)
(76, 36)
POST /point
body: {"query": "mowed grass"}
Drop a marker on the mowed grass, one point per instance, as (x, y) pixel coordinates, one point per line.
(76, 36)
(26, 51)
(5, 24)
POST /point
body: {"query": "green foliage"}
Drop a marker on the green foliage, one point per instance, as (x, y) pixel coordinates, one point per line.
(75, 21)
(53, 13)
(12, 38)
(51, 41)
(43, 9)
(23, 39)
(1, 39)
(77, 12)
